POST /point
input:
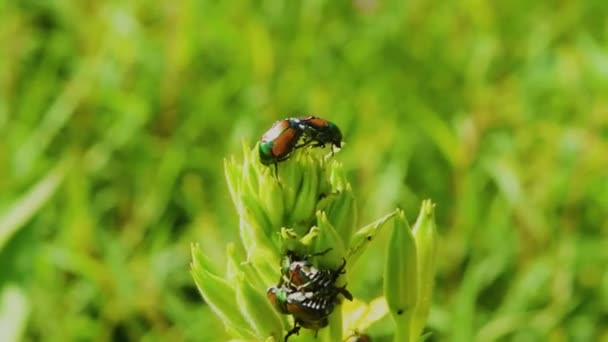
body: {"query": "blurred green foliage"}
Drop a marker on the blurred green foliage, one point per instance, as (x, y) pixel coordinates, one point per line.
(115, 118)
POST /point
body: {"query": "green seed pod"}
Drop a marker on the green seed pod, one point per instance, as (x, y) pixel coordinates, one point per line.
(425, 234)
(337, 179)
(306, 198)
(328, 239)
(290, 178)
(401, 277)
(342, 213)
(271, 197)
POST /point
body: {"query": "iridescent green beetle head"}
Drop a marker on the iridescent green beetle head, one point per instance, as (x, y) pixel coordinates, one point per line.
(278, 298)
(279, 141)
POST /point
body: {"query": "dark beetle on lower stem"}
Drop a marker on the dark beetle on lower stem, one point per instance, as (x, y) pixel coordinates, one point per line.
(300, 273)
(307, 292)
(358, 337)
(309, 309)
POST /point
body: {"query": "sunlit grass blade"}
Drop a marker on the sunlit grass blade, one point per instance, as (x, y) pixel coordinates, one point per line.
(14, 310)
(27, 206)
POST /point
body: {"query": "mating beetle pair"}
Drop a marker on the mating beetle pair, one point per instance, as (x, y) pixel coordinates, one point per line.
(301, 274)
(287, 135)
(306, 292)
(309, 309)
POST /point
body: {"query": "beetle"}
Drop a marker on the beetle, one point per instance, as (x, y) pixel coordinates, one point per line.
(278, 297)
(311, 307)
(299, 271)
(286, 135)
(310, 310)
(280, 141)
(307, 306)
(358, 337)
(321, 131)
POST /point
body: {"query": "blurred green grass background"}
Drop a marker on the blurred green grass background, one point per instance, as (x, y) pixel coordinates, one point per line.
(116, 116)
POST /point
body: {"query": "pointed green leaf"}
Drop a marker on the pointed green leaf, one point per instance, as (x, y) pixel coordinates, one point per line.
(26, 206)
(218, 294)
(258, 310)
(364, 236)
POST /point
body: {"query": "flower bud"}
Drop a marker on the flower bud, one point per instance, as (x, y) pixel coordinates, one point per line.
(425, 234)
(342, 213)
(328, 238)
(307, 196)
(401, 277)
(271, 196)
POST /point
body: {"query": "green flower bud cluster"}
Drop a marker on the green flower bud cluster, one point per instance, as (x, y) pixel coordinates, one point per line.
(308, 207)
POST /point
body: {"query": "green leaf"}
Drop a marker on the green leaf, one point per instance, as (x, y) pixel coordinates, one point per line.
(258, 310)
(364, 236)
(219, 295)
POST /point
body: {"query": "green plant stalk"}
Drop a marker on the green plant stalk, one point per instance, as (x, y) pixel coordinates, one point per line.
(309, 208)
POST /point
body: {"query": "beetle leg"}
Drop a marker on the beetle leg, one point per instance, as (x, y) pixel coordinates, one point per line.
(276, 170)
(345, 293)
(294, 331)
(340, 269)
(318, 254)
(304, 144)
